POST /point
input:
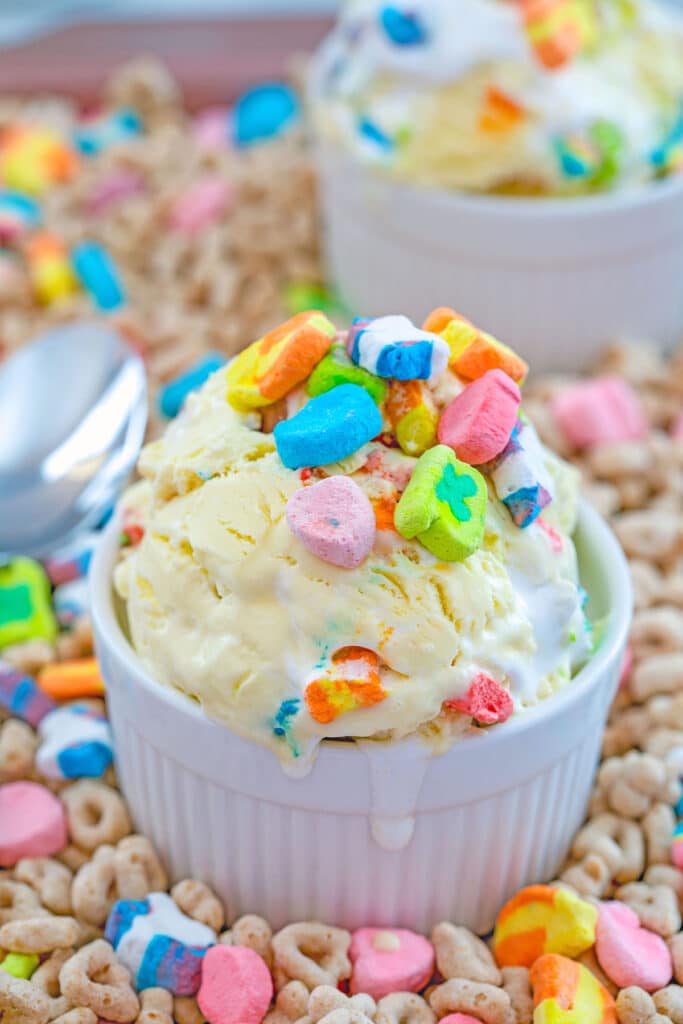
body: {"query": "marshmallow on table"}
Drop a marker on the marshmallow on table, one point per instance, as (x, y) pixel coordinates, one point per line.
(69, 680)
(93, 136)
(392, 346)
(565, 991)
(599, 411)
(20, 965)
(70, 602)
(32, 159)
(76, 742)
(50, 270)
(390, 960)
(203, 203)
(32, 822)
(264, 112)
(159, 944)
(403, 28)
(629, 954)
(98, 274)
(236, 986)
(539, 919)
(20, 695)
(25, 603)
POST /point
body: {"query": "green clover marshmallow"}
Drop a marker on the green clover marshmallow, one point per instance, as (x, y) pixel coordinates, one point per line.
(444, 505)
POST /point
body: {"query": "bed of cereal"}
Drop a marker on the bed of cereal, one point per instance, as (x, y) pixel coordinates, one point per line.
(57, 907)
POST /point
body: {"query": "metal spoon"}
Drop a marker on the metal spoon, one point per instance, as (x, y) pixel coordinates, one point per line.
(73, 409)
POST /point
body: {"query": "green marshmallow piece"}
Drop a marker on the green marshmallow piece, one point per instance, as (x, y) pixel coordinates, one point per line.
(444, 505)
(336, 368)
(25, 603)
(20, 965)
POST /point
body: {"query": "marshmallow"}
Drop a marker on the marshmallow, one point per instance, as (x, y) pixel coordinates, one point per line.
(25, 603)
(98, 274)
(390, 960)
(21, 697)
(334, 520)
(628, 954)
(275, 364)
(392, 346)
(351, 681)
(236, 986)
(599, 411)
(328, 428)
(159, 944)
(172, 395)
(568, 992)
(412, 415)
(76, 743)
(444, 506)
(540, 919)
(336, 368)
(478, 423)
(32, 822)
(264, 112)
(486, 701)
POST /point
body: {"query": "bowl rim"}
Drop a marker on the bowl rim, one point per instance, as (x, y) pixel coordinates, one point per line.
(653, 193)
(598, 535)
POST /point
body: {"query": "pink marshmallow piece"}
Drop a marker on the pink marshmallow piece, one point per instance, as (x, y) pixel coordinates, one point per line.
(118, 185)
(599, 411)
(478, 422)
(236, 986)
(459, 1018)
(334, 520)
(32, 822)
(486, 701)
(201, 204)
(210, 128)
(628, 953)
(389, 960)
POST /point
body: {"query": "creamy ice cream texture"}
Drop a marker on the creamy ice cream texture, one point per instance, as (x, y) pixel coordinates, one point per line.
(227, 604)
(519, 96)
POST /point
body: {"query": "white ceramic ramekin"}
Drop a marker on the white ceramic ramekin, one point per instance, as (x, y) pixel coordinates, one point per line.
(554, 278)
(495, 812)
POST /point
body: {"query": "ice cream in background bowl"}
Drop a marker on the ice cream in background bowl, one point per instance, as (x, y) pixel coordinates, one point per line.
(351, 551)
(523, 157)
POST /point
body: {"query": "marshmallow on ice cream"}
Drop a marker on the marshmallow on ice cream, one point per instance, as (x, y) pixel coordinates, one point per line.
(513, 96)
(320, 556)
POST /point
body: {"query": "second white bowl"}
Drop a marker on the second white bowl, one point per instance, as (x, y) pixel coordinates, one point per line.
(458, 833)
(554, 278)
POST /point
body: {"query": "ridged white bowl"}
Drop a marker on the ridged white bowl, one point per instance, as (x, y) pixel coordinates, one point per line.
(554, 278)
(495, 812)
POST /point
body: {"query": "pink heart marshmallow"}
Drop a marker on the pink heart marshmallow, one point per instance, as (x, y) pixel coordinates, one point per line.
(628, 953)
(334, 520)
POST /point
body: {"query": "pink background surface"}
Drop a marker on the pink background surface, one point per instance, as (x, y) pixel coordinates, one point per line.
(212, 59)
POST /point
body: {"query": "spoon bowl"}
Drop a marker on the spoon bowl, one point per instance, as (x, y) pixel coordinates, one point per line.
(73, 411)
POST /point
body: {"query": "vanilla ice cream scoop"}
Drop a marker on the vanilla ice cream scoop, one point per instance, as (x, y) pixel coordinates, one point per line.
(460, 606)
(511, 96)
